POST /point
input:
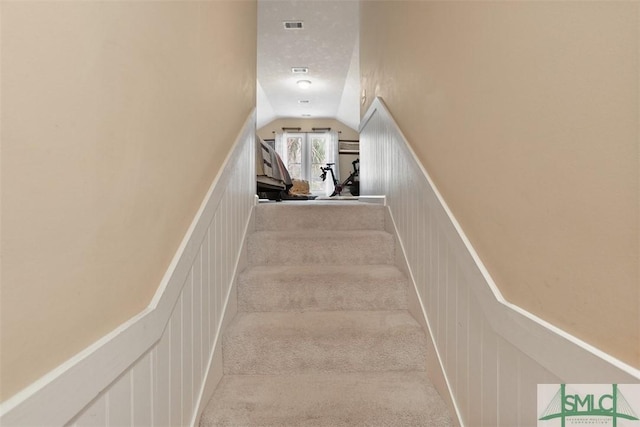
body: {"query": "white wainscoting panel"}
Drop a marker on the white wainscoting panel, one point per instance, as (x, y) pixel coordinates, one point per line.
(151, 371)
(492, 353)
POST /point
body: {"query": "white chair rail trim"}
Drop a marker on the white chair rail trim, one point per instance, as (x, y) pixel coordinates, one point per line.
(514, 313)
(64, 392)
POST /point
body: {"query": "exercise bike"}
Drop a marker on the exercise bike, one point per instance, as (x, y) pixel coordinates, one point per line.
(350, 181)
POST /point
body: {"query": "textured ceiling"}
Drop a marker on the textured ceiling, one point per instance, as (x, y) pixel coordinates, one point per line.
(327, 45)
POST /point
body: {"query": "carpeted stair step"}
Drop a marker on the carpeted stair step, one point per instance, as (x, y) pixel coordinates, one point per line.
(320, 247)
(322, 287)
(338, 341)
(330, 215)
(323, 336)
(331, 400)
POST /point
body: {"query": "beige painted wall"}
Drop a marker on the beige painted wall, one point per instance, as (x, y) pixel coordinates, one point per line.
(116, 117)
(526, 114)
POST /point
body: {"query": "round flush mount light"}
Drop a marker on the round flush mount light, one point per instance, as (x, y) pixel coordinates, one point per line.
(304, 84)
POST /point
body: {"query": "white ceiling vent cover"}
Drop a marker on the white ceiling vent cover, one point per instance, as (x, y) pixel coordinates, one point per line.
(292, 25)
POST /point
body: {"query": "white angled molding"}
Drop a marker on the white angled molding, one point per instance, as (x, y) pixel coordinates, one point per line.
(122, 376)
(490, 350)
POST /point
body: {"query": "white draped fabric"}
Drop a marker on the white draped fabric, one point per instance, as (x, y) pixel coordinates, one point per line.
(281, 146)
(331, 148)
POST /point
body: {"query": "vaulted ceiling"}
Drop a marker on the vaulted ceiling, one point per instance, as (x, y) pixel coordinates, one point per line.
(327, 44)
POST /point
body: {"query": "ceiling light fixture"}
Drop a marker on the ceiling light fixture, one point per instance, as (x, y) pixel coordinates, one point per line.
(304, 84)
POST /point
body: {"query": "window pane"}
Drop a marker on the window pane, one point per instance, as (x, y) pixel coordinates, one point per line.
(294, 156)
(318, 159)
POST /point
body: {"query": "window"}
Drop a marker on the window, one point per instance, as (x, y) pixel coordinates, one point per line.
(304, 153)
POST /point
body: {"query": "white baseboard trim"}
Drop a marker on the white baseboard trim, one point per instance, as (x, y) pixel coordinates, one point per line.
(214, 371)
(435, 367)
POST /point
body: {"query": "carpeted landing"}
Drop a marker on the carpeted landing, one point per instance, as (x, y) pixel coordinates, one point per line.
(323, 336)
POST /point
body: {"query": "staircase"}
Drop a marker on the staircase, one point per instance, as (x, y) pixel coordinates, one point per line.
(323, 336)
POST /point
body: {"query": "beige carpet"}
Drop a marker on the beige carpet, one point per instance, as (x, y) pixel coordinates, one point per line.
(323, 336)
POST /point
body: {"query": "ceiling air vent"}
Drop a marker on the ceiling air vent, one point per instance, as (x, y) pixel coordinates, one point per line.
(299, 70)
(292, 25)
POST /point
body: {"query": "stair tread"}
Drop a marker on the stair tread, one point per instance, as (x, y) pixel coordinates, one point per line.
(324, 234)
(321, 247)
(328, 215)
(321, 273)
(385, 398)
(322, 288)
(323, 323)
(339, 341)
